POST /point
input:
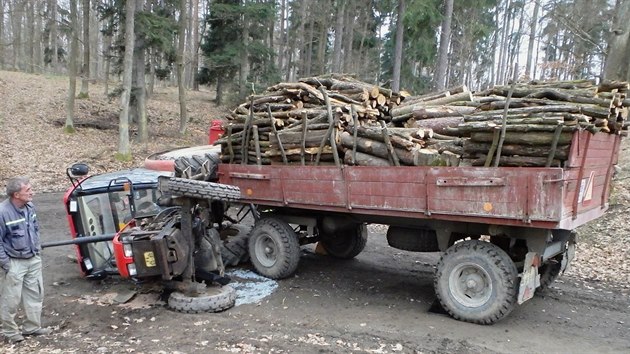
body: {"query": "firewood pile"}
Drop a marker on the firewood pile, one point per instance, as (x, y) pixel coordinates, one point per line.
(338, 120)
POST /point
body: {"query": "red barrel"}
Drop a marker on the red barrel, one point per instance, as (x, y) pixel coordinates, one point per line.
(216, 131)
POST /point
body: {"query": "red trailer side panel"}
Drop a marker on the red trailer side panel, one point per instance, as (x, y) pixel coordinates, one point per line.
(536, 197)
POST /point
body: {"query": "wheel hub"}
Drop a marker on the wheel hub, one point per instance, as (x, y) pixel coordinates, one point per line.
(267, 249)
(470, 285)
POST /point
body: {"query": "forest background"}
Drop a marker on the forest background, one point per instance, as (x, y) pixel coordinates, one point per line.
(239, 47)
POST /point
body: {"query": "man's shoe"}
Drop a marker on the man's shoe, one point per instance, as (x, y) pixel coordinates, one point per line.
(16, 338)
(38, 332)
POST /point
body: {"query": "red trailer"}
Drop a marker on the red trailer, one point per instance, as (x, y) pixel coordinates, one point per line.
(503, 231)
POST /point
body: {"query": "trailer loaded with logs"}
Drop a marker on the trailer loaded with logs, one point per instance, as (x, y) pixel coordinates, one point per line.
(495, 180)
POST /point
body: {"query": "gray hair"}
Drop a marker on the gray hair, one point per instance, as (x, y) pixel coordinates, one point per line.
(15, 184)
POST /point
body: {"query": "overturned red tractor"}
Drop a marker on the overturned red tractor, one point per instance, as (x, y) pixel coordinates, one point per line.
(149, 225)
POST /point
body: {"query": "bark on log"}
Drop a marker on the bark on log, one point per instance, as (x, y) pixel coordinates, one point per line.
(533, 139)
(474, 148)
(437, 125)
(518, 161)
(421, 111)
(362, 159)
(463, 96)
(376, 148)
(376, 134)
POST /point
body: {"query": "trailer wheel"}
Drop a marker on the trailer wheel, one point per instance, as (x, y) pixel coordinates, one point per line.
(273, 248)
(183, 187)
(412, 239)
(345, 244)
(215, 299)
(476, 282)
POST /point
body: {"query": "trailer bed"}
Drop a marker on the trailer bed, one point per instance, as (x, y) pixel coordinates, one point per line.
(551, 198)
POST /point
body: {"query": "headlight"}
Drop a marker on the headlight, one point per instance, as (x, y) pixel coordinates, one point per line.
(127, 250)
(131, 268)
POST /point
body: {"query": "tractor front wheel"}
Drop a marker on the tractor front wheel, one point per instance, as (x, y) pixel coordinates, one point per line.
(214, 299)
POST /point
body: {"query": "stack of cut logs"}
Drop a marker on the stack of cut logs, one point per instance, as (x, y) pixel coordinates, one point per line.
(341, 120)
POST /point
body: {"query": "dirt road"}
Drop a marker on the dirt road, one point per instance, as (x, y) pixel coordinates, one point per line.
(380, 302)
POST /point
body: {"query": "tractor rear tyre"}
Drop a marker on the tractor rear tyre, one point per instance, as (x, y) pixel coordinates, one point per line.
(234, 247)
(182, 187)
(187, 167)
(476, 282)
(274, 249)
(345, 243)
(215, 299)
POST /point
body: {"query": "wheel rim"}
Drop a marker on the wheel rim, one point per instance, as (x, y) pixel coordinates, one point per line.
(266, 251)
(470, 285)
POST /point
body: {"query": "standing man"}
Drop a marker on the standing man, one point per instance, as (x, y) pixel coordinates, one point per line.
(20, 262)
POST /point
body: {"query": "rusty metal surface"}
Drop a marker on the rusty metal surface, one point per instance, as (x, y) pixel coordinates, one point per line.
(534, 197)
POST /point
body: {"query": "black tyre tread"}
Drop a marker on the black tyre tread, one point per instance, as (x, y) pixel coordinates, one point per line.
(416, 243)
(352, 247)
(234, 249)
(549, 272)
(183, 187)
(289, 248)
(195, 163)
(508, 275)
(214, 301)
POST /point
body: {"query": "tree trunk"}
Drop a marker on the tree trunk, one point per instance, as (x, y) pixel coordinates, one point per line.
(445, 43)
(85, 71)
(283, 37)
(139, 90)
(398, 47)
(54, 57)
(72, 67)
(196, 41)
(336, 67)
(2, 35)
(301, 60)
(124, 148)
(349, 38)
(503, 49)
(309, 45)
(616, 67)
(244, 60)
(219, 97)
(30, 36)
(183, 118)
(532, 39)
(106, 53)
(16, 24)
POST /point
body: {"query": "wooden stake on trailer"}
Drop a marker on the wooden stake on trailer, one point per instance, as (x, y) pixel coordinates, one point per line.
(554, 144)
(493, 147)
(505, 113)
(303, 151)
(257, 145)
(331, 121)
(355, 120)
(388, 142)
(275, 132)
(245, 142)
(229, 142)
